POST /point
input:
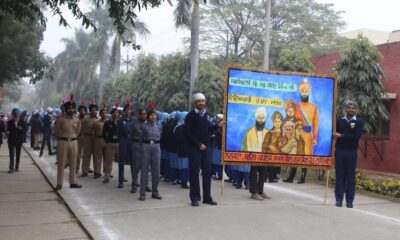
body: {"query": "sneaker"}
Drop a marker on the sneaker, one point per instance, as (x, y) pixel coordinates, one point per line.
(256, 197)
(75, 185)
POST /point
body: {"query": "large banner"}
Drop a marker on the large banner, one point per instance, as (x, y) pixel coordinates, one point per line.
(278, 118)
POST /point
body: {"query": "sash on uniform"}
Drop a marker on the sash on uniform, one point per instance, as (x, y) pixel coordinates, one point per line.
(308, 127)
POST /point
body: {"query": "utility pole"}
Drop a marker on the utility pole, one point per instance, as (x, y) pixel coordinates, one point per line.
(267, 35)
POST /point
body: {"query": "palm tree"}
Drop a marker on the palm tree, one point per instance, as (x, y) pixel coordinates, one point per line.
(183, 18)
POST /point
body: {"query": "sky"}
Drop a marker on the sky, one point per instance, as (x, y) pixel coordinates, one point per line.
(379, 15)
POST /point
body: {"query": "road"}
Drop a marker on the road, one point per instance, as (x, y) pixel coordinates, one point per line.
(294, 212)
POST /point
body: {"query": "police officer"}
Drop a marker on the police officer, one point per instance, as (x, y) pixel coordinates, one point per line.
(82, 110)
(125, 125)
(197, 131)
(47, 122)
(100, 144)
(110, 136)
(151, 132)
(67, 129)
(89, 138)
(348, 132)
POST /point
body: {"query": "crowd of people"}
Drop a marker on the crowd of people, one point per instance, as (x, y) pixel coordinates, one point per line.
(171, 146)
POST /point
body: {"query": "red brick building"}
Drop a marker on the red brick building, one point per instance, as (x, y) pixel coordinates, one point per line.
(380, 153)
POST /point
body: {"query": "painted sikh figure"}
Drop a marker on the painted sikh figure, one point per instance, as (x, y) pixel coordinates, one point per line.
(253, 140)
(308, 114)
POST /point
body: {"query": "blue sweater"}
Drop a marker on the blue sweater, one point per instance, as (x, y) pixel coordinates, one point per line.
(351, 133)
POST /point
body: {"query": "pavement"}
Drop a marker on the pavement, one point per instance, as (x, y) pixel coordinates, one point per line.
(293, 212)
(29, 207)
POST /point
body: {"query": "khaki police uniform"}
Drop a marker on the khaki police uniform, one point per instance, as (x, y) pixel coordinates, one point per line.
(87, 132)
(66, 129)
(80, 148)
(100, 145)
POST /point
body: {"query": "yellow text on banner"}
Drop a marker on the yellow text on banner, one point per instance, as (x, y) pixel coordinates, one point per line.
(243, 99)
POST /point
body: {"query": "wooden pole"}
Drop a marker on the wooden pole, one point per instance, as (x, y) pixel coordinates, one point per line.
(326, 188)
(222, 183)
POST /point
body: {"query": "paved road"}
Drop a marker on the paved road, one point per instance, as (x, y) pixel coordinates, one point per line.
(294, 212)
(29, 208)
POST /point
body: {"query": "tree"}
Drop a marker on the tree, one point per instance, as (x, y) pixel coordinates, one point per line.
(174, 82)
(232, 24)
(296, 59)
(121, 12)
(182, 19)
(360, 79)
(239, 27)
(211, 83)
(19, 51)
(77, 64)
(145, 81)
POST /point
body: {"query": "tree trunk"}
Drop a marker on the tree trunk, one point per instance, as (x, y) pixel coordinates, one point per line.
(117, 56)
(104, 70)
(194, 49)
(267, 40)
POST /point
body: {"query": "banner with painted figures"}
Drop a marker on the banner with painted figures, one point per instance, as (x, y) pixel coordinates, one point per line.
(278, 118)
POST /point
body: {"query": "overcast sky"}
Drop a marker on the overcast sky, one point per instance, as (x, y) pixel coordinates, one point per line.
(379, 15)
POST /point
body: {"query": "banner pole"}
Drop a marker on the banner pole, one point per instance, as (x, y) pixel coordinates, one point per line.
(222, 182)
(326, 187)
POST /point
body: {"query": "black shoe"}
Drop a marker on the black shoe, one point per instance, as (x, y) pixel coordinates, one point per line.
(349, 205)
(40, 154)
(142, 198)
(106, 181)
(66, 165)
(58, 187)
(238, 186)
(287, 180)
(75, 185)
(10, 171)
(228, 180)
(148, 189)
(133, 190)
(301, 181)
(338, 204)
(211, 202)
(52, 153)
(84, 175)
(273, 181)
(120, 185)
(156, 196)
(125, 180)
(90, 171)
(185, 186)
(17, 170)
(96, 175)
(167, 180)
(195, 204)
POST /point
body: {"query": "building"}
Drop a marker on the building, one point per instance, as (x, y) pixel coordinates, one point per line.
(379, 153)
